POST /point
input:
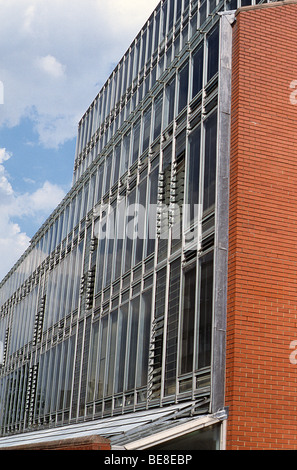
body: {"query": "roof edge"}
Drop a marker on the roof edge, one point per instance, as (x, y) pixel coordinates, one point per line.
(265, 5)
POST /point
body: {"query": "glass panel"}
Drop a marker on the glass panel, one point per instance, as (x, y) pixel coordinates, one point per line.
(178, 9)
(205, 315)
(110, 244)
(93, 361)
(213, 53)
(197, 71)
(210, 162)
(69, 375)
(157, 30)
(141, 217)
(188, 320)
(100, 254)
(202, 11)
(117, 163)
(120, 229)
(143, 49)
(151, 235)
(144, 339)
(146, 132)
(99, 184)
(130, 227)
(183, 87)
(164, 230)
(125, 153)
(108, 173)
(169, 103)
(121, 349)
(136, 137)
(171, 14)
(102, 356)
(193, 174)
(78, 274)
(150, 40)
(164, 21)
(172, 328)
(132, 354)
(178, 191)
(158, 116)
(112, 352)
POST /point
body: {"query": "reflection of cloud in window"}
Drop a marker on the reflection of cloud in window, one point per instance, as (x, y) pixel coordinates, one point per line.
(1, 93)
(1, 352)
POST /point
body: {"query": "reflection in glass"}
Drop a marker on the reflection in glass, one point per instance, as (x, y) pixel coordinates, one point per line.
(188, 320)
(205, 316)
(210, 162)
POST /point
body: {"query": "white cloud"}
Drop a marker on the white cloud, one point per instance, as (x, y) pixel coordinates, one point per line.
(56, 55)
(51, 66)
(36, 205)
(40, 203)
(4, 155)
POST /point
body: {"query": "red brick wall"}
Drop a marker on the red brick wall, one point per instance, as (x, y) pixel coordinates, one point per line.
(261, 383)
(92, 442)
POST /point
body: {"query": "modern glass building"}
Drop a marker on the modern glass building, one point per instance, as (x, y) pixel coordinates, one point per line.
(118, 307)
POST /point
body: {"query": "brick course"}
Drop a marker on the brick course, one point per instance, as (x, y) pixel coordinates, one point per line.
(262, 282)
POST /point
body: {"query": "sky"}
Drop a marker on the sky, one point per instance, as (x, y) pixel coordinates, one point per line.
(55, 55)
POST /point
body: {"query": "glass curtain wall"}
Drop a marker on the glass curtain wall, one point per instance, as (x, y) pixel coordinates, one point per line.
(112, 303)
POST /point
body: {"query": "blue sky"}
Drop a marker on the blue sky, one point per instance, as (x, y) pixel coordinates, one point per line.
(55, 57)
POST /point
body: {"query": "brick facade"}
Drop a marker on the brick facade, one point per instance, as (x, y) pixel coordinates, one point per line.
(92, 442)
(261, 381)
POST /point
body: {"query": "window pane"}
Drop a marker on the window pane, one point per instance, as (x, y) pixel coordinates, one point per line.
(125, 153)
(158, 116)
(169, 104)
(164, 20)
(197, 71)
(120, 238)
(93, 361)
(108, 173)
(183, 87)
(171, 14)
(144, 339)
(117, 163)
(193, 173)
(165, 195)
(157, 29)
(151, 236)
(140, 221)
(112, 350)
(172, 328)
(110, 244)
(188, 320)
(134, 318)
(178, 9)
(136, 136)
(121, 349)
(205, 315)
(102, 356)
(146, 129)
(210, 162)
(202, 12)
(130, 222)
(213, 54)
(143, 49)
